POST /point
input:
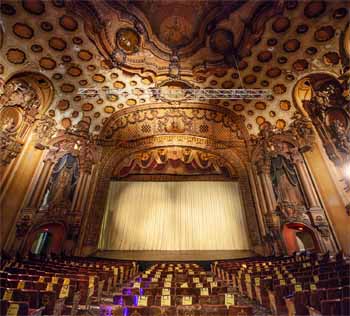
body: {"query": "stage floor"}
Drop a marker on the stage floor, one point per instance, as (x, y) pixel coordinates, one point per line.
(189, 255)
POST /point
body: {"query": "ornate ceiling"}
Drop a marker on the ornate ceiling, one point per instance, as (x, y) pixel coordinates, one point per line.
(136, 45)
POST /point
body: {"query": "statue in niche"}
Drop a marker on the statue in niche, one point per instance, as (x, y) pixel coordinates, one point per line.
(285, 181)
(62, 183)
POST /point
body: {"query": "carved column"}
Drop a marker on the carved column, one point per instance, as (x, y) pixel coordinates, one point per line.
(263, 170)
(40, 186)
(258, 202)
(89, 192)
(306, 181)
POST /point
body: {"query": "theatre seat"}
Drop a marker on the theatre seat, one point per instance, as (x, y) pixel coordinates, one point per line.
(331, 307)
(237, 310)
(345, 306)
(193, 310)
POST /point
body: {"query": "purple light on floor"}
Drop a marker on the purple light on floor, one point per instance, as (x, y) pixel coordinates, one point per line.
(141, 291)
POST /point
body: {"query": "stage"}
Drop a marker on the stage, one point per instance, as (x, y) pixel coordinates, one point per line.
(162, 255)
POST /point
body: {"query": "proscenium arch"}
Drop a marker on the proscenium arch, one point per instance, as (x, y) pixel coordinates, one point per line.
(236, 119)
(113, 156)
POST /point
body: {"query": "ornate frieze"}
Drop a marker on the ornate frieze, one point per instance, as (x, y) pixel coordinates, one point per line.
(174, 160)
(145, 121)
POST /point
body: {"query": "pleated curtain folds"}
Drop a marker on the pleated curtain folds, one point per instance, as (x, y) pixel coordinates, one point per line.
(185, 215)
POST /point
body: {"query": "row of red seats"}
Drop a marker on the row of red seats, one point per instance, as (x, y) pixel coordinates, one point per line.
(295, 285)
(175, 290)
(56, 288)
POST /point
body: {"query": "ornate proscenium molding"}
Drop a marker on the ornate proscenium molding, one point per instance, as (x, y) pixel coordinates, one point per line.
(174, 161)
(218, 124)
(143, 37)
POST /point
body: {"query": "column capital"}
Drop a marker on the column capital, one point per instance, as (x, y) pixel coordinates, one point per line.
(263, 166)
(296, 156)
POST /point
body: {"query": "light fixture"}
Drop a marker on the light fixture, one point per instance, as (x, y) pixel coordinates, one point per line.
(77, 145)
(347, 170)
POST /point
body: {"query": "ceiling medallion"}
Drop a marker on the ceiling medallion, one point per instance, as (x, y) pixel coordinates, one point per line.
(118, 57)
(128, 40)
(221, 41)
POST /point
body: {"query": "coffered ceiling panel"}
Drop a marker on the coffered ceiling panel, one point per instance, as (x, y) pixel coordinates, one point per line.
(96, 47)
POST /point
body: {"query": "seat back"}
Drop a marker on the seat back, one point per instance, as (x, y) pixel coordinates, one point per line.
(331, 307)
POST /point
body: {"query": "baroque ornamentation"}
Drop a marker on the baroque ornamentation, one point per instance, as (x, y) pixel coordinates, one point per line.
(44, 130)
(328, 111)
(277, 155)
(19, 106)
(302, 131)
(162, 34)
(24, 223)
(175, 160)
(224, 125)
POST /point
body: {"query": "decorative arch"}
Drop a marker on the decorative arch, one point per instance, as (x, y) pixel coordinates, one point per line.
(113, 156)
(58, 230)
(322, 98)
(303, 91)
(290, 231)
(42, 86)
(188, 118)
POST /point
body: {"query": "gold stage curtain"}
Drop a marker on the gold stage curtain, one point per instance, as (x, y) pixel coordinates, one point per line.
(184, 215)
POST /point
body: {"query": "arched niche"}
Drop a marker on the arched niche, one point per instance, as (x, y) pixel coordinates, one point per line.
(41, 85)
(25, 98)
(57, 231)
(321, 97)
(299, 237)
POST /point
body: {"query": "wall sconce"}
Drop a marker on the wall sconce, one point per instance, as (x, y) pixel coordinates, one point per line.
(347, 171)
(77, 145)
